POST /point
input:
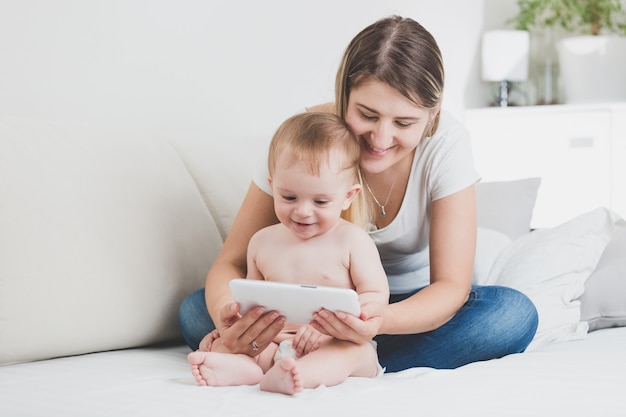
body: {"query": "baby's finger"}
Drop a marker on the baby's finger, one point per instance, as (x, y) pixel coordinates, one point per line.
(299, 344)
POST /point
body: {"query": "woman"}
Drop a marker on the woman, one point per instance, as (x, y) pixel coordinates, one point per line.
(418, 170)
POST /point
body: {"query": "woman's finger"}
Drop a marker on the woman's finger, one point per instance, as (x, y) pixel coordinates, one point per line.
(333, 326)
(229, 314)
(263, 332)
(345, 326)
(251, 332)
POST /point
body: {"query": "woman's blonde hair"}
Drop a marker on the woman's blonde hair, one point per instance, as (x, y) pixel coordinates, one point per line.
(399, 52)
(312, 137)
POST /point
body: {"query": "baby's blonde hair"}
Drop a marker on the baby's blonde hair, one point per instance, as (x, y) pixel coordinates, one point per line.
(311, 137)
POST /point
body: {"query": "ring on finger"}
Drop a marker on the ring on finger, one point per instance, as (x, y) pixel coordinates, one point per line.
(255, 346)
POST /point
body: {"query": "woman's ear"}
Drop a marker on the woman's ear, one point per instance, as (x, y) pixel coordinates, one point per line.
(433, 121)
(351, 195)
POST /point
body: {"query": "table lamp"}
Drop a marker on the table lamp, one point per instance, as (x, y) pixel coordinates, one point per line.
(505, 55)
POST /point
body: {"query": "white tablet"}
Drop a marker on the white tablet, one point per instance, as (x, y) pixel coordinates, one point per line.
(296, 302)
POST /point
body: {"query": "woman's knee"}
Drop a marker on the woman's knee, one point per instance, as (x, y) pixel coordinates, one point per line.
(194, 319)
(528, 320)
(517, 318)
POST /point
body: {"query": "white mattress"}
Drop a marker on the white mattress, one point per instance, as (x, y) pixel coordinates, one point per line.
(582, 378)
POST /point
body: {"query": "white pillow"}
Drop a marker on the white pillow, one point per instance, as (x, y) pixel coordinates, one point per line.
(102, 236)
(489, 244)
(603, 304)
(507, 206)
(551, 266)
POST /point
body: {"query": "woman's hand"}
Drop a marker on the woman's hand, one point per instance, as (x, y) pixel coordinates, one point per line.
(248, 334)
(348, 327)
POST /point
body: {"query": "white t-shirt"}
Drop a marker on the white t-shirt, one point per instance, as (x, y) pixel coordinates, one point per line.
(442, 165)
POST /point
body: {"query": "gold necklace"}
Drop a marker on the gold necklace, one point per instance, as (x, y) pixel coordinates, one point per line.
(382, 206)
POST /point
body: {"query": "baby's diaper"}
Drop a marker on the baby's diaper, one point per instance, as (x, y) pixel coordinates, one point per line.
(285, 350)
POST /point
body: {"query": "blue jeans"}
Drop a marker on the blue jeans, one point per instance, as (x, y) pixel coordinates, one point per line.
(194, 319)
(494, 322)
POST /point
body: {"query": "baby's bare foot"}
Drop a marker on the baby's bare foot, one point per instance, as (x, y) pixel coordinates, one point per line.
(223, 369)
(283, 377)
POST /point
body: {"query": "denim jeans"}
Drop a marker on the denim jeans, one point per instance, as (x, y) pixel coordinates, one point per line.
(194, 319)
(494, 322)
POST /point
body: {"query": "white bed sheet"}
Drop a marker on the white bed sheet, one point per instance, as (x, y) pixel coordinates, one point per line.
(580, 378)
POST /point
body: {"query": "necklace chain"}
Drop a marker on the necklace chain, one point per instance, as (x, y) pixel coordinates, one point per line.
(382, 206)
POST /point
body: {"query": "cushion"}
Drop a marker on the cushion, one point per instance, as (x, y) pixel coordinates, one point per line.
(489, 244)
(507, 206)
(603, 304)
(224, 181)
(103, 234)
(551, 266)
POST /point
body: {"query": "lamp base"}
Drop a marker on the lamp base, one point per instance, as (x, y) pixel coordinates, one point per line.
(508, 94)
(502, 100)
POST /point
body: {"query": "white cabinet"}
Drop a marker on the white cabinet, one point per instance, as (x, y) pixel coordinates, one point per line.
(618, 160)
(578, 151)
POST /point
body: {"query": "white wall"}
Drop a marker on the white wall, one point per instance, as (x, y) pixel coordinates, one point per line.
(216, 67)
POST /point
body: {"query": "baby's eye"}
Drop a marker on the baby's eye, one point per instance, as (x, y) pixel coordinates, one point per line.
(288, 198)
(321, 202)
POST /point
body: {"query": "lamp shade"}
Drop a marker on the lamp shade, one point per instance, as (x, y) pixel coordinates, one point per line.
(505, 55)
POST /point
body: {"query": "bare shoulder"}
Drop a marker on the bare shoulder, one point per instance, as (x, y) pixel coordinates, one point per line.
(268, 232)
(354, 235)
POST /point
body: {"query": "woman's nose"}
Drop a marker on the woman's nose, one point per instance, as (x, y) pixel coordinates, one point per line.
(381, 136)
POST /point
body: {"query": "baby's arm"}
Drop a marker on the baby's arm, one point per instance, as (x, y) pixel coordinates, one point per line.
(370, 282)
(307, 339)
(366, 271)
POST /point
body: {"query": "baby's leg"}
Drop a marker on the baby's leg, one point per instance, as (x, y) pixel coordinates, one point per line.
(329, 365)
(283, 377)
(222, 369)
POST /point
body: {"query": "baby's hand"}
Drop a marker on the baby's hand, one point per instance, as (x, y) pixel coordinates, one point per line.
(208, 342)
(306, 340)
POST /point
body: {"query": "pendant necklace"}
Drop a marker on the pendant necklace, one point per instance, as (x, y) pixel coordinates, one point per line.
(382, 206)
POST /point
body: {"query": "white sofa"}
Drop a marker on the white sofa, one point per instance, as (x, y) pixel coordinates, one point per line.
(104, 230)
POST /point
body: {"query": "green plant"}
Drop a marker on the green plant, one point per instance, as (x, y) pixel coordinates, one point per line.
(578, 16)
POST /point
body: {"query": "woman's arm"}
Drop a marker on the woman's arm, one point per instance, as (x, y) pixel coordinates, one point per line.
(452, 250)
(237, 334)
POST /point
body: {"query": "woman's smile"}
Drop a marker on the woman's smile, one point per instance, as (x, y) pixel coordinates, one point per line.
(375, 151)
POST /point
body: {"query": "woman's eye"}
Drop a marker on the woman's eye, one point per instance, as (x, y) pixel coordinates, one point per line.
(402, 124)
(368, 117)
